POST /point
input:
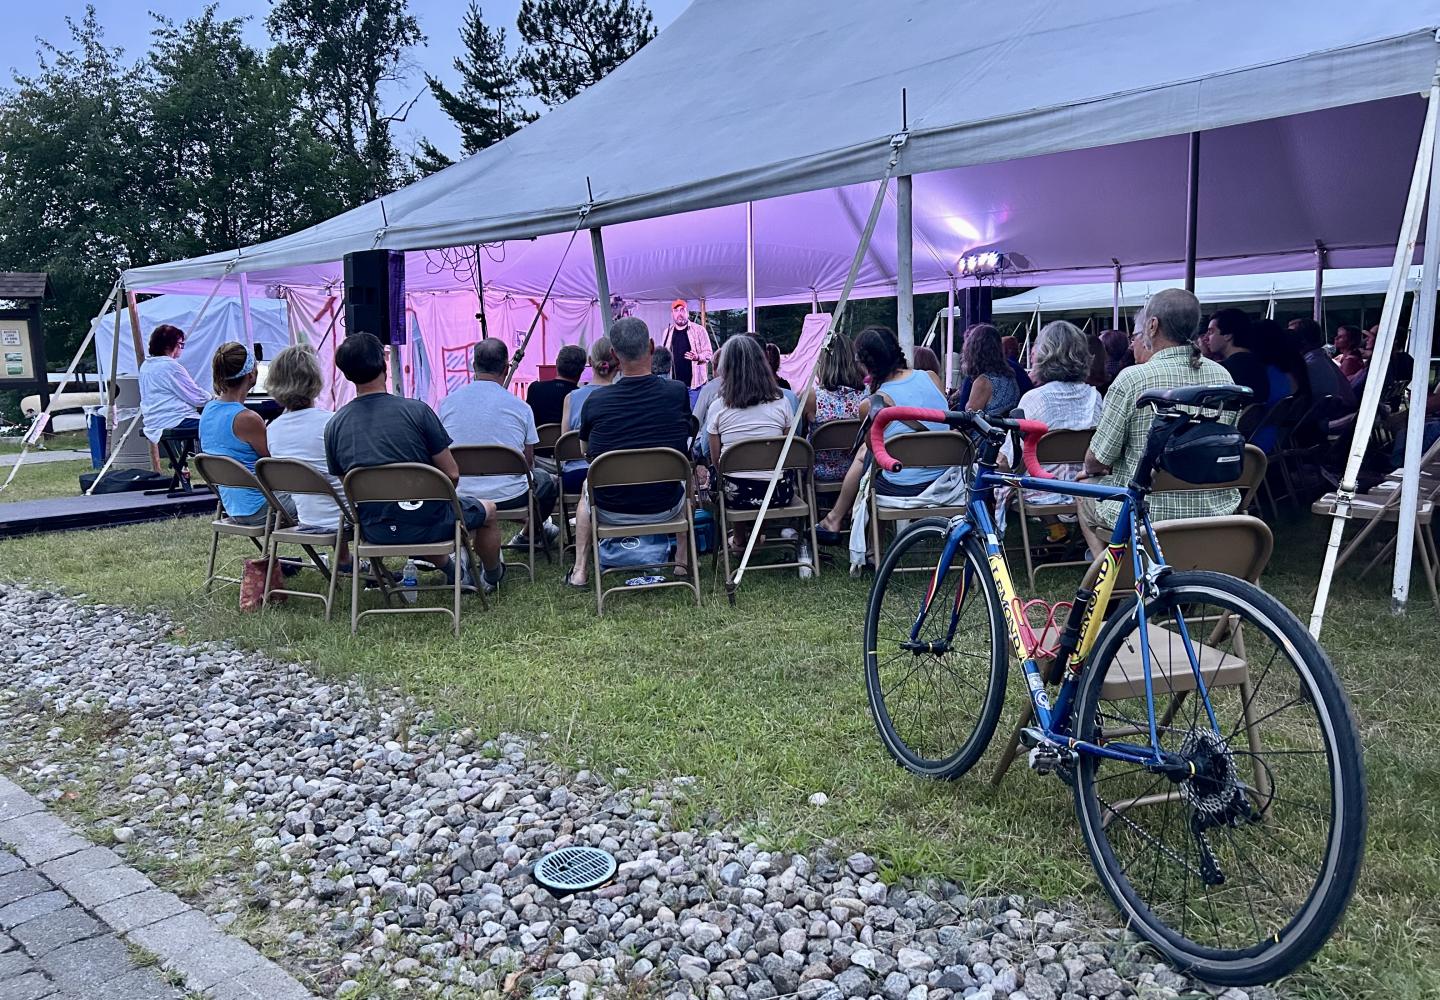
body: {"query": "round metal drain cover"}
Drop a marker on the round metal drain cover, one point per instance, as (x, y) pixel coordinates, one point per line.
(574, 869)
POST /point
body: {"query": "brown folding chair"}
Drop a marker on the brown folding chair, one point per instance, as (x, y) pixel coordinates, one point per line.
(636, 467)
(1247, 481)
(548, 435)
(760, 455)
(218, 470)
(833, 435)
(400, 483)
(1060, 446)
(1235, 544)
(567, 449)
(918, 450)
(498, 460)
(288, 475)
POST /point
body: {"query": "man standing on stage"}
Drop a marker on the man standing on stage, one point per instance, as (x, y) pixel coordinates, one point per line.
(689, 345)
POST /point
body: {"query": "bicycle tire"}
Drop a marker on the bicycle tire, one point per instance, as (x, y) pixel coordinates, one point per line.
(1276, 949)
(950, 763)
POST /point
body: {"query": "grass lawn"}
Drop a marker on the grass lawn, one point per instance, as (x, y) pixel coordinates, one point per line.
(764, 703)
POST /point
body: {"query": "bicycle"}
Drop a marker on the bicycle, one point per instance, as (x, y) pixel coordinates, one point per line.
(1236, 863)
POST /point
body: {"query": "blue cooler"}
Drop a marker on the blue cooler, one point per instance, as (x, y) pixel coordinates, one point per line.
(98, 432)
(704, 531)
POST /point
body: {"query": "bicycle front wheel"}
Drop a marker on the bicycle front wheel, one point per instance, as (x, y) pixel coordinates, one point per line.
(935, 698)
(1239, 867)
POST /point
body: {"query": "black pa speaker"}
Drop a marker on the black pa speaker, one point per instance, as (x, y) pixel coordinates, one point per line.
(975, 306)
(375, 294)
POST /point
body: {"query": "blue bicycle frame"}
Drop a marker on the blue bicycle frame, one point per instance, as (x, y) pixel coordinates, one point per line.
(1087, 617)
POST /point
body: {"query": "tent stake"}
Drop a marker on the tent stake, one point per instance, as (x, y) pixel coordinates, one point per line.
(1192, 207)
(1380, 359)
(1422, 329)
(905, 264)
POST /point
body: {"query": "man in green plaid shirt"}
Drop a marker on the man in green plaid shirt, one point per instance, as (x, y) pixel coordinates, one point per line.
(1166, 332)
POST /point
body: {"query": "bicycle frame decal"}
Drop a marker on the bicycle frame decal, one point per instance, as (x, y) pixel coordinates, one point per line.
(1094, 618)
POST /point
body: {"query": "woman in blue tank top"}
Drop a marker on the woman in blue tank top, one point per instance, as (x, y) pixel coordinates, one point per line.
(895, 383)
(228, 428)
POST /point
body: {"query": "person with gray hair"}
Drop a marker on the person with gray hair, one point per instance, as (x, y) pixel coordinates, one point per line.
(1062, 400)
(295, 382)
(640, 410)
(1167, 333)
(486, 412)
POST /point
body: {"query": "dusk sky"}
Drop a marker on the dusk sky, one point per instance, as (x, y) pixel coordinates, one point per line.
(127, 25)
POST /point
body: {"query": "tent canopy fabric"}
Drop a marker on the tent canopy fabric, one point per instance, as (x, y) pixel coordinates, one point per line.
(223, 320)
(754, 100)
(1100, 296)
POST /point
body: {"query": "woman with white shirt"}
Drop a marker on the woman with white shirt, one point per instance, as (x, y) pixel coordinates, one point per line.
(750, 406)
(294, 381)
(169, 397)
(1062, 400)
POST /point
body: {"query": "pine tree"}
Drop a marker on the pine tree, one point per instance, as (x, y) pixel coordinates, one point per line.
(570, 44)
(487, 107)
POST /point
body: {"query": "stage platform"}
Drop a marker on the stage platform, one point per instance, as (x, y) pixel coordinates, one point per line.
(29, 517)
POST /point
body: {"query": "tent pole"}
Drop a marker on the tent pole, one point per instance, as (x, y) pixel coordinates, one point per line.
(1422, 330)
(602, 280)
(950, 337)
(114, 388)
(1115, 305)
(133, 308)
(1318, 309)
(905, 264)
(1192, 206)
(750, 317)
(43, 417)
(245, 322)
(1380, 360)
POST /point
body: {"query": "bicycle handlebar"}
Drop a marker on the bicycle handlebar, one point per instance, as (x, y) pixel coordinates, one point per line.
(1031, 430)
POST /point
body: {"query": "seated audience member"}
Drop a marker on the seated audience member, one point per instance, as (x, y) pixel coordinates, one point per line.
(993, 388)
(750, 406)
(1117, 353)
(1397, 372)
(661, 364)
(548, 396)
(927, 361)
(1167, 333)
(640, 410)
(1321, 372)
(227, 428)
(295, 382)
(377, 428)
(1010, 347)
(604, 366)
(1061, 399)
(1023, 384)
(772, 356)
(838, 395)
(1229, 338)
(1285, 371)
(169, 397)
(1350, 350)
(485, 412)
(892, 383)
(1095, 375)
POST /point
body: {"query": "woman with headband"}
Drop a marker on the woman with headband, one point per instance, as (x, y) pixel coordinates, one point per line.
(228, 428)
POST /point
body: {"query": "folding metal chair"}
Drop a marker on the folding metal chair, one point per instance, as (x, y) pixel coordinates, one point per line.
(636, 467)
(918, 450)
(401, 483)
(567, 449)
(289, 475)
(833, 435)
(498, 460)
(760, 455)
(218, 470)
(1060, 446)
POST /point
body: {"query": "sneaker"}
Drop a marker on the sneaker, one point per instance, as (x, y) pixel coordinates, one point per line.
(552, 532)
(491, 584)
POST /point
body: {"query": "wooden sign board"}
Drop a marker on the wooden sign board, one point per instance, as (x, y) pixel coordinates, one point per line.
(21, 363)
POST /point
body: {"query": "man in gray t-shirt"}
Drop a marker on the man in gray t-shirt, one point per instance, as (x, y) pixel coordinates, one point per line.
(485, 412)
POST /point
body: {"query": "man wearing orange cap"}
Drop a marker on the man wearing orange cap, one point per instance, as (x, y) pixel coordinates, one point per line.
(689, 345)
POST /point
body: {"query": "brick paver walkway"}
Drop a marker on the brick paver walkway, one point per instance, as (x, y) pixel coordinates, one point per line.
(72, 913)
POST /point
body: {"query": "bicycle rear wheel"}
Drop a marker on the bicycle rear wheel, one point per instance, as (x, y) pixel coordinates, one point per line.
(1239, 872)
(935, 710)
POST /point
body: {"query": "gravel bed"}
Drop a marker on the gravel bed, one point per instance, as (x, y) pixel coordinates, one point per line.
(370, 850)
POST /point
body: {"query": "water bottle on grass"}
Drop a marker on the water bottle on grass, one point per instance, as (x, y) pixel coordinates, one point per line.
(410, 581)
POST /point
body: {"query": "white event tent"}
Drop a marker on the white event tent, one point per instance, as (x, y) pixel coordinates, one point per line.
(732, 161)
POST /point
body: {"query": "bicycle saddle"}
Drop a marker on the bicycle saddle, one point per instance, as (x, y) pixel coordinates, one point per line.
(1224, 397)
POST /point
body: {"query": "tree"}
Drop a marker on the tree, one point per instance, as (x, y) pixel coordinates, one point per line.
(345, 52)
(71, 192)
(570, 44)
(239, 163)
(487, 107)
